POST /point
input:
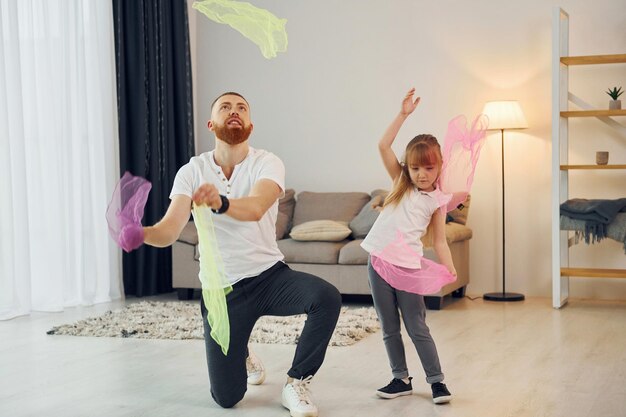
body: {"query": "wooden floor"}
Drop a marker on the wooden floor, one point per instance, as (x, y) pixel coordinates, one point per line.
(500, 360)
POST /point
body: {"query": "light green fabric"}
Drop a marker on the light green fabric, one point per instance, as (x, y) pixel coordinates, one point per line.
(258, 25)
(215, 286)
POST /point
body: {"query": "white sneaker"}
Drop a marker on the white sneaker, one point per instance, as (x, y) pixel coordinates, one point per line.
(297, 398)
(254, 366)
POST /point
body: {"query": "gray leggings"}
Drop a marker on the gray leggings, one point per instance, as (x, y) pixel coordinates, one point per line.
(279, 291)
(387, 301)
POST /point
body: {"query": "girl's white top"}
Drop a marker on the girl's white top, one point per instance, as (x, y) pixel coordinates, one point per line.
(410, 217)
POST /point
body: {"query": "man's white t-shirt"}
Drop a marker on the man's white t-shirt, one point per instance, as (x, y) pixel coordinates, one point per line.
(247, 247)
(410, 217)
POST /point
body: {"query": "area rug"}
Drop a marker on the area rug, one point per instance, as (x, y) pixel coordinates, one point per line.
(181, 320)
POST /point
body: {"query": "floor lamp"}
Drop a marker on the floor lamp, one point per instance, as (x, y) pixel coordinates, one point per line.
(504, 115)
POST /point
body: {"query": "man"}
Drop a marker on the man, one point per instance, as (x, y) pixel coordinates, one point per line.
(242, 186)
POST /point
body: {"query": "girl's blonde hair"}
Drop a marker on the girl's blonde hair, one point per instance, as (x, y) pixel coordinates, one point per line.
(422, 150)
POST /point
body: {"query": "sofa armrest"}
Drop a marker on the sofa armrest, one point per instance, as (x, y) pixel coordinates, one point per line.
(189, 234)
(455, 232)
(185, 266)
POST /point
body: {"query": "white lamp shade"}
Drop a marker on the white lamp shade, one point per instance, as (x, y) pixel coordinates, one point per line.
(505, 115)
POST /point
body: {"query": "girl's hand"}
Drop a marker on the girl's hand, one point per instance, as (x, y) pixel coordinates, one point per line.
(408, 104)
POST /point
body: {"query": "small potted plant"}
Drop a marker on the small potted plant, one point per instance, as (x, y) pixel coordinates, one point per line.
(614, 93)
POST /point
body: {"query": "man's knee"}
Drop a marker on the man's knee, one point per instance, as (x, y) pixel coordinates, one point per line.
(227, 398)
(328, 296)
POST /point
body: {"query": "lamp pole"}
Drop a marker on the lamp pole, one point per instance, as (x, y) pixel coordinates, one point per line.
(504, 296)
(503, 219)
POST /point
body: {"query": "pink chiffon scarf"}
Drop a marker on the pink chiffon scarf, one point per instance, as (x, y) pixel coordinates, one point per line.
(461, 150)
(428, 279)
(126, 209)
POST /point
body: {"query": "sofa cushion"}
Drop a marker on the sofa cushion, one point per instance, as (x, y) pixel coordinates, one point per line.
(459, 214)
(341, 207)
(310, 252)
(353, 254)
(285, 213)
(364, 221)
(321, 230)
(380, 192)
(282, 225)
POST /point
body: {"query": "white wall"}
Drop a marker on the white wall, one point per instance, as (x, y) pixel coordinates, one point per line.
(323, 104)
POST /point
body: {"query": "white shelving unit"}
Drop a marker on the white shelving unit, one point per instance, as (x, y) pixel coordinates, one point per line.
(561, 61)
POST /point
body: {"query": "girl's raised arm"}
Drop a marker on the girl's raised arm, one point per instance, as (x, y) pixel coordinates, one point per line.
(384, 145)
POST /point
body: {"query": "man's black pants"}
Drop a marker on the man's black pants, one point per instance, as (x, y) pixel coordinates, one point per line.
(279, 291)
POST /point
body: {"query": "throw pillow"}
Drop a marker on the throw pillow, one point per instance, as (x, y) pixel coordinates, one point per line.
(364, 221)
(285, 213)
(321, 230)
(459, 214)
(282, 224)
(382, 193)
(338, 206)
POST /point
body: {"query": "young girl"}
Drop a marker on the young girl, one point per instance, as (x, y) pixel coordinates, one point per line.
(413, 204)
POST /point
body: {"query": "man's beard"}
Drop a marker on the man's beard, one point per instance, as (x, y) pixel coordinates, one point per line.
(232, 136)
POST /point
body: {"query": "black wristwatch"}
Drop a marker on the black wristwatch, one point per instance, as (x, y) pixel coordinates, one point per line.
(224, 207)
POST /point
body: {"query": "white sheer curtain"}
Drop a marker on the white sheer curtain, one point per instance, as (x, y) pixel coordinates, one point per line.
(58, 155)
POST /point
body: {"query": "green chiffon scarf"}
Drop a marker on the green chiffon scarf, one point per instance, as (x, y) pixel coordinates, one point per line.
(212, 275)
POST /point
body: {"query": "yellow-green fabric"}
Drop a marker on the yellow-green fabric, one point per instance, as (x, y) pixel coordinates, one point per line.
(215, 286)
(259, 25)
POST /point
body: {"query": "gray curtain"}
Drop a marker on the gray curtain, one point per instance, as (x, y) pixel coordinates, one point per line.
(155, 118)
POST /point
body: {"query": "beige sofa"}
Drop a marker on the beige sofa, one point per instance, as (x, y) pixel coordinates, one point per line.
(341, 262)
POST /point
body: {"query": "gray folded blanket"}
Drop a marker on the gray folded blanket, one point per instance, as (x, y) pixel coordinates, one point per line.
(596, 214)
(601, 211)
(615, 230)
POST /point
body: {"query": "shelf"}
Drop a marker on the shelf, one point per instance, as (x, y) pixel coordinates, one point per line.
(594, 59)
(566, 167)
(593, 113)
(593, 272)
(562, 170)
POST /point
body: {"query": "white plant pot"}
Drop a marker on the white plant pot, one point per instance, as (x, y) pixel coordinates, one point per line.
(615, 104)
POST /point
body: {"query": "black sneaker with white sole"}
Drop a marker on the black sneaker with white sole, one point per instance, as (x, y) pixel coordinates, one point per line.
(441, 395)
(395, 388)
